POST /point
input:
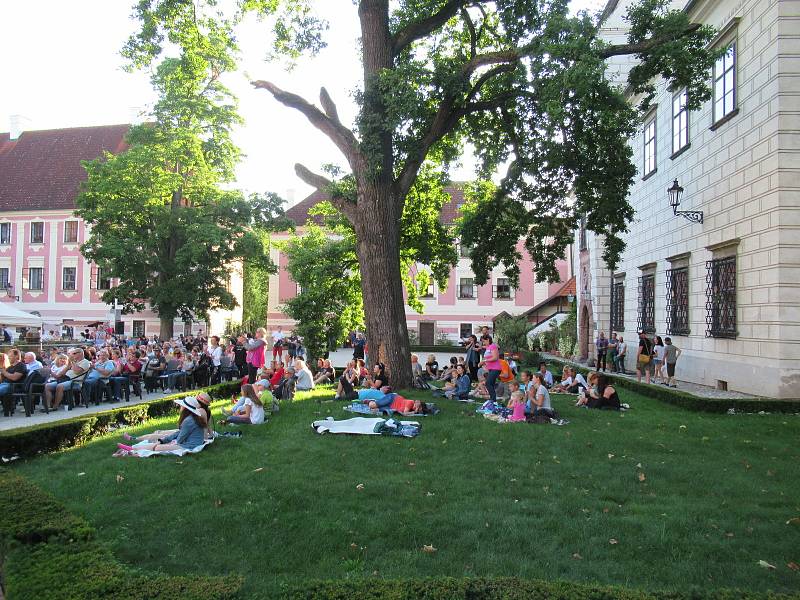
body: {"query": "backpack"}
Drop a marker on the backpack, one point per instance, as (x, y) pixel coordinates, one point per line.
(421, 384)
(506, 374)
(285, 389)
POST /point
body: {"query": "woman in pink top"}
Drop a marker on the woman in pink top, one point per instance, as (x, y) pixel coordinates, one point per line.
(491, 361)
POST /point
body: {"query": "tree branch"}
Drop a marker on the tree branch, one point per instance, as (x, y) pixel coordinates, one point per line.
(328, 105)
(419, 29)
(647, 45)
(338, 133)
(323, 184)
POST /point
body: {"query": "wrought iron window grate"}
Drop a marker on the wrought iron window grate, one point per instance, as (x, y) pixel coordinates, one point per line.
(618, 305)
(721, 298)
(647, 303)
(678, 301)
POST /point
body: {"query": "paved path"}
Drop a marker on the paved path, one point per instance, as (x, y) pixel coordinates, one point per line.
(20, 420)
(703, 391)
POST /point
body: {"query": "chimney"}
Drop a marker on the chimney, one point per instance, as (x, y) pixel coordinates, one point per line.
(17, 125)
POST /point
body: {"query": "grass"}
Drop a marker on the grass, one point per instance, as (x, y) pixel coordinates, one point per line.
(655, 498)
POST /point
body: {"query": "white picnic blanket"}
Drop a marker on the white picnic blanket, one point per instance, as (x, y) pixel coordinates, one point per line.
(357, 425)
(141, 453)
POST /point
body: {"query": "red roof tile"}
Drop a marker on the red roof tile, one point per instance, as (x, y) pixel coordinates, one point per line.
(299, 212)
(41, 170)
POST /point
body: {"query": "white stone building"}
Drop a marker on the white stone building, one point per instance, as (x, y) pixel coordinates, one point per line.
(726, 290)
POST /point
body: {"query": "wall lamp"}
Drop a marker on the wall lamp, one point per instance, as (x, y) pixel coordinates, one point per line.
(675, 192)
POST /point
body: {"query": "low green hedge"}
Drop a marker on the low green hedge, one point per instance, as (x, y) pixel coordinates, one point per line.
(691, 401)
(443, 348)
(505, 588)
(57, 435)
(50, 553)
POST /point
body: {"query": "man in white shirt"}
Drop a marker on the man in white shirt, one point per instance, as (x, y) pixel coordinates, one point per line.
(31, 363)
(277, 344)
(619, 360)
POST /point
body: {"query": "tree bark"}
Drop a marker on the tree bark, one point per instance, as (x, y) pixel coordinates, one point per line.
(378, 249)
(167, 328)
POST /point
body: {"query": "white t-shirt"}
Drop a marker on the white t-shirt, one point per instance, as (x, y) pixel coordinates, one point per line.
(277, 336)
(216, 355)
(256, 412)
(567, 382)
(659, 350)
(579, 379)
(622, 348)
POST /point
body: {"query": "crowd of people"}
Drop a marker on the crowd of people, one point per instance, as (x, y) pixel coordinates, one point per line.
(655, 358)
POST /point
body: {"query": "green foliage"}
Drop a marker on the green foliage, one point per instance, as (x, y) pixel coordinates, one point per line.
(160, 220)
(329, 304)
(51, 437)
(255, 296)
(50, 553)
(511, 333)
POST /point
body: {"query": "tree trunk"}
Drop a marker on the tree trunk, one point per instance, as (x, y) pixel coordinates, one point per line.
(378, 249)
(167, 329)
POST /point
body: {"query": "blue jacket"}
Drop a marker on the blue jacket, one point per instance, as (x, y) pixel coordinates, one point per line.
(190, 435)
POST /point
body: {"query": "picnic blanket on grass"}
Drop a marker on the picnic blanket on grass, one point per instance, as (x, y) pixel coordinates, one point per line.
(141, 453)
(366, 426)
(363, 409)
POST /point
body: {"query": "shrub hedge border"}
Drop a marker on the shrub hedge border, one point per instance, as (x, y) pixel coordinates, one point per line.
(49, 553)
(691, 401)
(505, 588)
(58, 435)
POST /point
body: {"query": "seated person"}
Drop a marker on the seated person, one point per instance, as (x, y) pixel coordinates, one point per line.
(305, 380)
(525, 381)
(579, 383)
(326, 373)
(459, 387)
(517, 405)
(205, 403)
(276, 374)
(192, 425)
(511, 387)
(252, 411)
(449, 370)
(103, 370)
(602, 396)
(431, 368)
(480, 390)
(348, 382)
(566, 380)
(416, 368)
(547, 376)
(379, 377)
(538, 397)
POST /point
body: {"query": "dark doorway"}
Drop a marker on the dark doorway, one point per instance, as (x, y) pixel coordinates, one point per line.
(427, 331)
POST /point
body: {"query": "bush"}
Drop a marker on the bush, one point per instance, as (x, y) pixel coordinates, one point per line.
(512, 333)
(698, 403)
(50, 437)
(506, 588)
(50, 553)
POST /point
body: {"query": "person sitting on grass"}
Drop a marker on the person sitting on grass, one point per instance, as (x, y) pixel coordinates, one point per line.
(347, 383)
(448, 372)
(378, 378)
(517, 406)
(305, 380)
(547, 376)
(192, 425)
(326, 373)
(480, 390)
(525, 381)
(459, 386)
(416, 368)
(538, 397)
(602, 396)
(431, 367)
(205, 403)
(252, 411)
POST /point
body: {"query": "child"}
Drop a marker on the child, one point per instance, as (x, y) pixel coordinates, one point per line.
(517, 406)
(671, 354)
(252, 411)
(459, 387)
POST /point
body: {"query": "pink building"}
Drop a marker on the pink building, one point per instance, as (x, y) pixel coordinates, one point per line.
(41, 267)
(453, 313)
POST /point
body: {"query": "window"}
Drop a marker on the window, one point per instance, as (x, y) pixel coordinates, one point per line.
(430, 290)
(103, 281)
(4, 278)
(680, 123)
(70, 232)
(725, 84)
(721, 297)
(68, 278)
(138, 329)
(463, 251)
(465, 330)
(466, 287)
(5, 233)
(678, 301)
(650, 147)
(37, 233)
(36, 278)
(647, 303)
(618, 304)
(503, 289)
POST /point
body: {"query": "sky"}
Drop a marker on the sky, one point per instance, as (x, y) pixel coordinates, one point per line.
(61, 67)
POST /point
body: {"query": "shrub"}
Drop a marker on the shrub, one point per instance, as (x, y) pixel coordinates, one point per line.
(565, 346)
(506, 588)
(512, 333)
(50, 553)
(50, 437)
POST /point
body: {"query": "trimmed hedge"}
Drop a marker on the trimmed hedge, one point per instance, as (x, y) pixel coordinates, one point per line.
(443, 348)
(57, 435)
(50, 553)
(691, 401)
(505, 588)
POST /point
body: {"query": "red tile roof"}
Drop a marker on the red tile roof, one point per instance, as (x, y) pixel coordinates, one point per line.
(299, 212)
(41, 170)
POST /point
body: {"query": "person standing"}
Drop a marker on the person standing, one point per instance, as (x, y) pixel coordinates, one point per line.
(613, 343)
(277, 344)
(622, 351)
(256, 351)
(644, 359)
(671, 354)
(472, 357)
(602, 348)
(240, 355)
(491, 361)
(658, 359)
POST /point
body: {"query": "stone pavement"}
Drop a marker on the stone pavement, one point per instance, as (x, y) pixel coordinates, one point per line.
(703, 391)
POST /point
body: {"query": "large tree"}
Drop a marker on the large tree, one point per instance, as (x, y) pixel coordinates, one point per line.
(161, 222)
(524, 82)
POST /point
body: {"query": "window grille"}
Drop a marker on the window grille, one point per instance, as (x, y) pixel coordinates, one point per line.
(467, 288)
(647, 302)
(138, 329)
(678, 301)
(721, 298)
(503, 289)
(69, 278)
(618, 305)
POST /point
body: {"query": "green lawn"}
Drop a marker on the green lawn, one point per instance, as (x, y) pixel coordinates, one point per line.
(655, 498)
